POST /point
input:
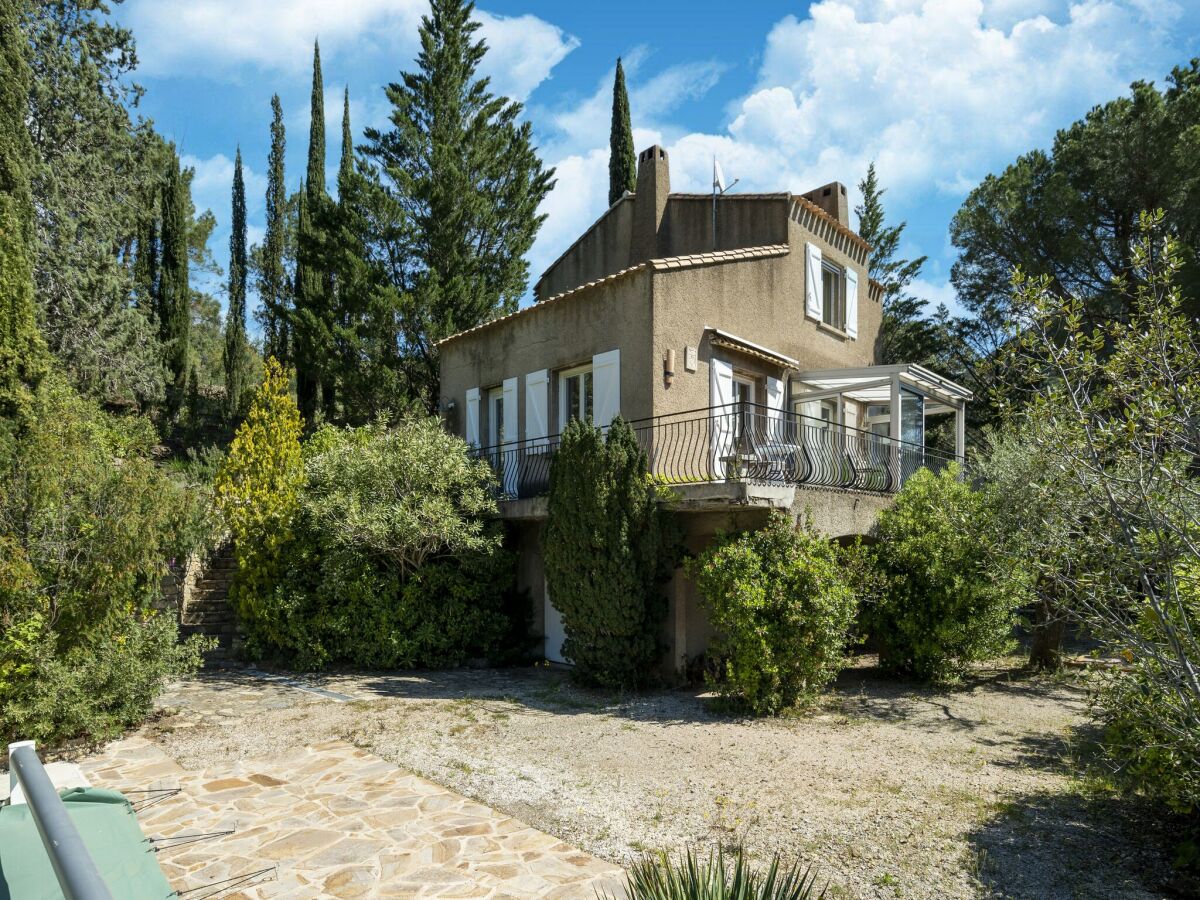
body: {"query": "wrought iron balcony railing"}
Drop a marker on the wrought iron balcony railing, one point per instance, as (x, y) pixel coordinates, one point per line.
(739, 442)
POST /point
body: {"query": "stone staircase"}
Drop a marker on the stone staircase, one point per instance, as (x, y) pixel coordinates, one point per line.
(205, 607)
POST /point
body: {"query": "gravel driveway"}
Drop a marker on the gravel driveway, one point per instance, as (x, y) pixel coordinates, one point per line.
(890, 790)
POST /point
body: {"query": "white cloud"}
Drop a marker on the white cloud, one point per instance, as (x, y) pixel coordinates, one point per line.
(221, 35)
(937, 92)
(522, 51)
(224, 38)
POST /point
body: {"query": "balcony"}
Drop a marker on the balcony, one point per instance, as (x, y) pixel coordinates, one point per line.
(740, 443)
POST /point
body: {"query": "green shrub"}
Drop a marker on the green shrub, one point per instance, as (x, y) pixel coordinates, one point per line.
(401, 495)
(391, 558)
(88, 524)
(939, 610)
(607, 548)
(661, 876)
(782, 609)
(102, 686)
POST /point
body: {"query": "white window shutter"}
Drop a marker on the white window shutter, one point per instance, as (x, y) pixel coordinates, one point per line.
(606, 387)
(537, 405)
(472, 417)
(774, 397)
(852, 303)
(509, 399)
(723, 413)
(813, 295)
(774, 406)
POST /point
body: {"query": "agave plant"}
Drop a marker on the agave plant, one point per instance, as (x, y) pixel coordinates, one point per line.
(660, 876)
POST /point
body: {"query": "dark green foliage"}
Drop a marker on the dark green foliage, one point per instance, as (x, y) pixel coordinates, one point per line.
(906, 334)
(782, 608)
(940, 609)
(22, 354)
(1071, 215)
(274, 287)
(607, 548)
(88, 523)
(333, 607)
(237, 346)
(174, 296)
(462, 185)
(622, 159)
(660, 876)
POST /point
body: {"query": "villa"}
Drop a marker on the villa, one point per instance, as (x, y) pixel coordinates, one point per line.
(738, 333)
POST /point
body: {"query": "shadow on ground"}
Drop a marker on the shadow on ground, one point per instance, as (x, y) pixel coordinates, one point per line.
(1074, 843)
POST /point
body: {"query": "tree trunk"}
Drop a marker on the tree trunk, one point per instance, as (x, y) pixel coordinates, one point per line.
(1045, 646)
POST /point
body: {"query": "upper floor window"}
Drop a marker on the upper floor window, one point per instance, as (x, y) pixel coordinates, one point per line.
(833, 295)
(575, 395)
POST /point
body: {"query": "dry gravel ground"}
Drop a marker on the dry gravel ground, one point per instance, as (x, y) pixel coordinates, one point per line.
(890, 790)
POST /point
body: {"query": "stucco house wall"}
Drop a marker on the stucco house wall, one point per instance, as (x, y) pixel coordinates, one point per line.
(601, 250)
(555, 335)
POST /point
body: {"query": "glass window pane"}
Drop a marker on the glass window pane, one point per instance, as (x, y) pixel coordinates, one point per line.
(587, 396)
(912, 417)
(572, 397)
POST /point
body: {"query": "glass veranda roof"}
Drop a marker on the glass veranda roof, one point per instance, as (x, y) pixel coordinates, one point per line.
(873, 384)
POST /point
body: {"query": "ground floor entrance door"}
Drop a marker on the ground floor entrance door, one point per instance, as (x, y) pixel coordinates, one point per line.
(555, 633)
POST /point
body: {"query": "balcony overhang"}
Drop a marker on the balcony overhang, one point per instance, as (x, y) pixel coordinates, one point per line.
(719, 338)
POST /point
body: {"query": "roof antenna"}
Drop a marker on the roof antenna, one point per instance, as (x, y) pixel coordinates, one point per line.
(718, 187)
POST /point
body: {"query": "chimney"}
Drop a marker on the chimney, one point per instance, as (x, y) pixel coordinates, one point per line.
(832, 199)
(653, 186)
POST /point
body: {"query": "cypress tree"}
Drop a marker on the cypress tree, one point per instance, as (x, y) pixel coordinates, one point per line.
(22, 353)
(315, 175)
(906, 335)
(622, 160)
(346, 164)
(145, 261)
(236, 359)
(274, 292)
(312, 300)
(174, 298)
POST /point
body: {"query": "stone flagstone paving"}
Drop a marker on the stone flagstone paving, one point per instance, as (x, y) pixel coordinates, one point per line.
(336, 821)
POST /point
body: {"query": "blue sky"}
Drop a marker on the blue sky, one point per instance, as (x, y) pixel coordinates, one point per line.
(789, 96)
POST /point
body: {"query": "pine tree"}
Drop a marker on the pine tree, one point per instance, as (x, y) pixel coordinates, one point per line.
(174, 293)
(237, 347)
(274, 292)
(906, 335)
(622, 160)
(22, 354)
(312, 296)
(464, 182)
(98, 170)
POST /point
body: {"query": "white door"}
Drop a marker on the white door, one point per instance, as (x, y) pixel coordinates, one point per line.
(555, 633)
